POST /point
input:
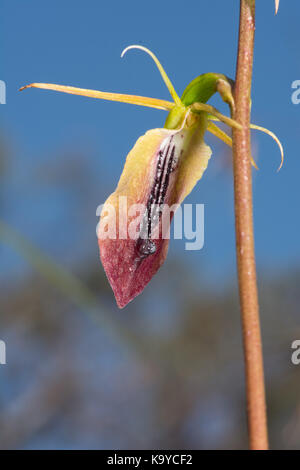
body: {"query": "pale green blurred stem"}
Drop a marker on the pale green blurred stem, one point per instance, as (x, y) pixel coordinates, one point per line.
(71, 287)
(148, 349)
(255, 388)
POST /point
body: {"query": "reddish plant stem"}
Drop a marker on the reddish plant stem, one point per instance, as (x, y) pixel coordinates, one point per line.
(256, 405)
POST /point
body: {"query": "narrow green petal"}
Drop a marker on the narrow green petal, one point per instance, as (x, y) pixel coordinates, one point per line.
(102, 95)
(161, 70)
(217, 132)
(274, 137)
(211, 111)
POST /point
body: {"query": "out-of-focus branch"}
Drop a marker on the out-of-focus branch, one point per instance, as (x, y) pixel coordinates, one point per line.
(73, 289)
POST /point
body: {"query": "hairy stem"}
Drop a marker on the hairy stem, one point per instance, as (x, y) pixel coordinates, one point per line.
(256, 405)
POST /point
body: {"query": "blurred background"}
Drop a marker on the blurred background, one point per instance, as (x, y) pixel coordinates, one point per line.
(167, 371)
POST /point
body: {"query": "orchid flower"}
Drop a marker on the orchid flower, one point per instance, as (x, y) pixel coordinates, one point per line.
(160, 171)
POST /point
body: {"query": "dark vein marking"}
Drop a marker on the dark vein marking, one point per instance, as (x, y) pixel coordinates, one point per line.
(166, 164)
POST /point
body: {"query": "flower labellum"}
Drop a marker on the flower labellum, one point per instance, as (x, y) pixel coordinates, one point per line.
(160, 171)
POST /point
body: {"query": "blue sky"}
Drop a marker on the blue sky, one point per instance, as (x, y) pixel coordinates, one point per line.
(79, 43)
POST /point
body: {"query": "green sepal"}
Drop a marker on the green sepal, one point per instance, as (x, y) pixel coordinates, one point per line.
(203, 87)
(200, 90)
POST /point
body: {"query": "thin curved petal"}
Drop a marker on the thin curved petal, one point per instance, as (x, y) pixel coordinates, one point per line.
(161, 170)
